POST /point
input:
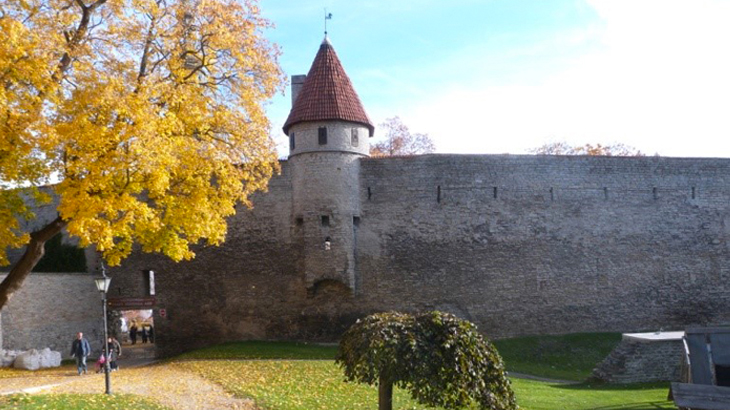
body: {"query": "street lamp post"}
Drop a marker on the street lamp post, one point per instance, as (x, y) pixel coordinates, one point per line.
(102, 284)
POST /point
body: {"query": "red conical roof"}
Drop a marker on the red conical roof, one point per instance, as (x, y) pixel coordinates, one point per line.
(327, 94)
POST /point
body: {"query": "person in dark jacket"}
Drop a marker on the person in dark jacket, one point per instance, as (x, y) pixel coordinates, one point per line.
(80, 349)
(144, 334)
(133, 333)
(115, 350)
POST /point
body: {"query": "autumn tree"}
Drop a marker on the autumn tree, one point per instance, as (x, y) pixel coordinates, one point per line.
(399, 140)
(441, 360)
(143, 119)
(563, 148)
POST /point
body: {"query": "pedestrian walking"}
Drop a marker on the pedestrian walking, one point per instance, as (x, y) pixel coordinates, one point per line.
(80, 349)
(115, 350)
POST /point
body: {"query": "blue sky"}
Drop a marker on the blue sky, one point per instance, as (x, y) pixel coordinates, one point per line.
(500, 76)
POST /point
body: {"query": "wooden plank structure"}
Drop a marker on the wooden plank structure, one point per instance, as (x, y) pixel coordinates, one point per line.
(706, 371)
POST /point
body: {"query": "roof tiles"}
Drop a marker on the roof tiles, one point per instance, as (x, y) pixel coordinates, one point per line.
(327, 94)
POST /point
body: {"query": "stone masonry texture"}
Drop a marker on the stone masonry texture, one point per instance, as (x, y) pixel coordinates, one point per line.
(519, 245)
(48, 311)
(635, 361)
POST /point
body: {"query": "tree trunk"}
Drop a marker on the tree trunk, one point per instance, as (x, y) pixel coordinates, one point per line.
(385, 394)
(33, 253)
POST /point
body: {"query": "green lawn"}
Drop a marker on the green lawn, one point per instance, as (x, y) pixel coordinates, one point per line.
(533, 395)
(303, 385)
(293, 384)
(78, 402)
(318, 384)
(299, 376)
(566, 357)
(263, 350)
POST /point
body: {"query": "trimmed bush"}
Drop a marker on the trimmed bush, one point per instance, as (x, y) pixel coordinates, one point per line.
(440, 359)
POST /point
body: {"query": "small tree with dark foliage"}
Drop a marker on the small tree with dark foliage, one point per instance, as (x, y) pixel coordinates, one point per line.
(440, 359)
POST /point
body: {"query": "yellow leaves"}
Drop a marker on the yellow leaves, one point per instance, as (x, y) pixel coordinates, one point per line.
(146, 149)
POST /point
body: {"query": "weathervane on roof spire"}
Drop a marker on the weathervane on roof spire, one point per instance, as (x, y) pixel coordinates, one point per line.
(327, 16)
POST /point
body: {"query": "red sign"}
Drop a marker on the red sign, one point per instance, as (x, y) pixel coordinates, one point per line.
(163, 313)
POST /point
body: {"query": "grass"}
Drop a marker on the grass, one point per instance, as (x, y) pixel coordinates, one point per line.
(299, 376)
(304, 385)
(263, 350)
(293, 384)
(566, 357)
(283, 384)
(78, 402)
(9, 372)
(534, 395)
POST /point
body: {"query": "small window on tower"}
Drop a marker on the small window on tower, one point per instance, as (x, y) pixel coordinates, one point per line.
(322, 135)
(355, 139)
(325, 220)
(292, 142)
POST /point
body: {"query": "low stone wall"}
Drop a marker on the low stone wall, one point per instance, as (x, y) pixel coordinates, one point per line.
(48, 311)
(643, 358)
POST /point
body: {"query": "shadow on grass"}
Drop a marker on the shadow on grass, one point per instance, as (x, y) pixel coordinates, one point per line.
(636, 406)
(613, 387)
(616, 388)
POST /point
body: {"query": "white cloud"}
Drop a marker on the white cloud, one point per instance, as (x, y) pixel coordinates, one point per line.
(658, 81)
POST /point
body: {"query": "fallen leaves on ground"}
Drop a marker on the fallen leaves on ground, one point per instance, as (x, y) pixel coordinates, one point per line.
(293, 384)
(167, 384)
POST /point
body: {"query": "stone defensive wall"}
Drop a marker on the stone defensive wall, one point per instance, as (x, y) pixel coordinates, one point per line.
(48, 311)
(549, 244)
(517, 244)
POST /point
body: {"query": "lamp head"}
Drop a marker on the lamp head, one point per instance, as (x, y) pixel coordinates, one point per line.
(102, 283)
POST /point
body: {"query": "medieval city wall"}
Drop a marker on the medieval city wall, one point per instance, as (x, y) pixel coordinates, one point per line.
(517, 244)
(245, 289)
(48, 311)
(548, 244)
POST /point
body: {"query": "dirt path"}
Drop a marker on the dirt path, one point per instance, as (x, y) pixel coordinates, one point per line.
(167, 384)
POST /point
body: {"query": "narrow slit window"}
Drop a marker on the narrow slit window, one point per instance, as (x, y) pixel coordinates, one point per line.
(292, 142)
(356, 220)
(300, 220)
(150, 282)
(354, 137)
(325, 220)
(322, 135)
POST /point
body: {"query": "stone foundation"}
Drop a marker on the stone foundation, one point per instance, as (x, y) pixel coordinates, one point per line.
(643, 358)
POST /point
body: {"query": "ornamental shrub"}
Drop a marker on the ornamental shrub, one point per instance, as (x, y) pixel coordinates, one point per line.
(440, 359)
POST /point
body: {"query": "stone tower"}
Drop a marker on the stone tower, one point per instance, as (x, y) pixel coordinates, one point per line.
(328, 133)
